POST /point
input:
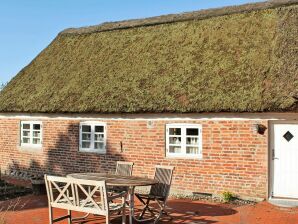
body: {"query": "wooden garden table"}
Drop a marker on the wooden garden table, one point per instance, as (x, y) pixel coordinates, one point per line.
(122, 181)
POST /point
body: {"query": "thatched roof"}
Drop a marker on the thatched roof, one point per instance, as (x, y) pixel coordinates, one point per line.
(233, 59)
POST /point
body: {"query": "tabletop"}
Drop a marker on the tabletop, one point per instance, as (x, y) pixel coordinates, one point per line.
(115, 180)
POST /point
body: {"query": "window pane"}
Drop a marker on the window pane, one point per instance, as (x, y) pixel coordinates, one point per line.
(98, 137)
(36, 141)
(86, 136)
(86, 128)
(36, 134)
(99, 145)
(175, 140)
(192, 150)
(26, 126)
(26, 133)
(86, 145)
(36, 126)
(98, 128)
(26, 140)
(175, 131)
(175, 149)
(192, 140)
(192, 131)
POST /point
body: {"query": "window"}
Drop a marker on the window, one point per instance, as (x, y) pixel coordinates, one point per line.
(184, 140)
(31, 133)
(93, 137)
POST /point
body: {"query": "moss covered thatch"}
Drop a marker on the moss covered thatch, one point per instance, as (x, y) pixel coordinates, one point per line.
(245, 61)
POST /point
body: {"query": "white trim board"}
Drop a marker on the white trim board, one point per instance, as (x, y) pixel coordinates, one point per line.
(155, 116)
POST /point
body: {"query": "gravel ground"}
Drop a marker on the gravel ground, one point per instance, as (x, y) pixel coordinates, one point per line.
(210, 198)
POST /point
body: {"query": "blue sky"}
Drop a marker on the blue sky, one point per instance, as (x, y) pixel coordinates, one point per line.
(28, 26)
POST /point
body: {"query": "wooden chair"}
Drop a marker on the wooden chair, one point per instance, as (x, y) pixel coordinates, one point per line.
(79, 195)
(158, 193)
(124, 168)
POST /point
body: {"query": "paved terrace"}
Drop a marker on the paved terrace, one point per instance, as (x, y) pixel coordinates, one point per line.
(33, 210)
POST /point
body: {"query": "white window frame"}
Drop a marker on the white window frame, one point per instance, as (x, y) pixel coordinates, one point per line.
(30, 144)
(183, 153)
(92, 148)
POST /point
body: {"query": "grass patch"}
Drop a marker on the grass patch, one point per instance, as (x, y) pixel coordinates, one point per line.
(227, 196)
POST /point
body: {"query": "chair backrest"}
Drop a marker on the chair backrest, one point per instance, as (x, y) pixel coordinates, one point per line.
(124, 168)
(77, 194)
(164, 175)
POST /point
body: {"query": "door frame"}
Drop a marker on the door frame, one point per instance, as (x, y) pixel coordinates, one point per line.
(270, 152)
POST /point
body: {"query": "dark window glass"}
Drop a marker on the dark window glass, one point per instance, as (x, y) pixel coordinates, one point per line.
(36, 126)
(175, 131)
(98, 128)
(192, 131)
(26, 126)
(86, 128)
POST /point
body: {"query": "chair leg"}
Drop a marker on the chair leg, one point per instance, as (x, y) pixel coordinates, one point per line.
(145, 208)
(50, 215)
(69, 217)
(158, 217)
(150, 210)
(123, 210)
(123, 216)
(162, 212)
(168, 215)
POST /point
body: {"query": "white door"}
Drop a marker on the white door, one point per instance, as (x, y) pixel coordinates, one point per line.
(285, 160)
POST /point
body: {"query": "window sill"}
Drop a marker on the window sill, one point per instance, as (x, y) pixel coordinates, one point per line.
(92, 151)
(30, 149)
(194, 157)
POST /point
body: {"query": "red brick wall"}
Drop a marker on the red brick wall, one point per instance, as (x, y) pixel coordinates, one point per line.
(234, 156)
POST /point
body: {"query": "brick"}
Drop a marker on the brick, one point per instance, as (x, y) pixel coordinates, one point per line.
(234, 157)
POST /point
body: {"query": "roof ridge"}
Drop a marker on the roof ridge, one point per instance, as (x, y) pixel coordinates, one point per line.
(172, 18)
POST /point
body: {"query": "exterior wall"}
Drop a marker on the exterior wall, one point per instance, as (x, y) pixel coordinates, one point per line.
(234, 159)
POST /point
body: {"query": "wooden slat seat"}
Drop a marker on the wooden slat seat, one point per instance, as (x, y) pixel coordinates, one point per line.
(153, 197)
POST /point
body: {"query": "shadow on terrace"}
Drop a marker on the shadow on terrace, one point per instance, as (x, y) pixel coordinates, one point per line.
(182, 211)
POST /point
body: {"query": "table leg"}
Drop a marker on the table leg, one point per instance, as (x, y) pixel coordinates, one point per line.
(131, 204)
